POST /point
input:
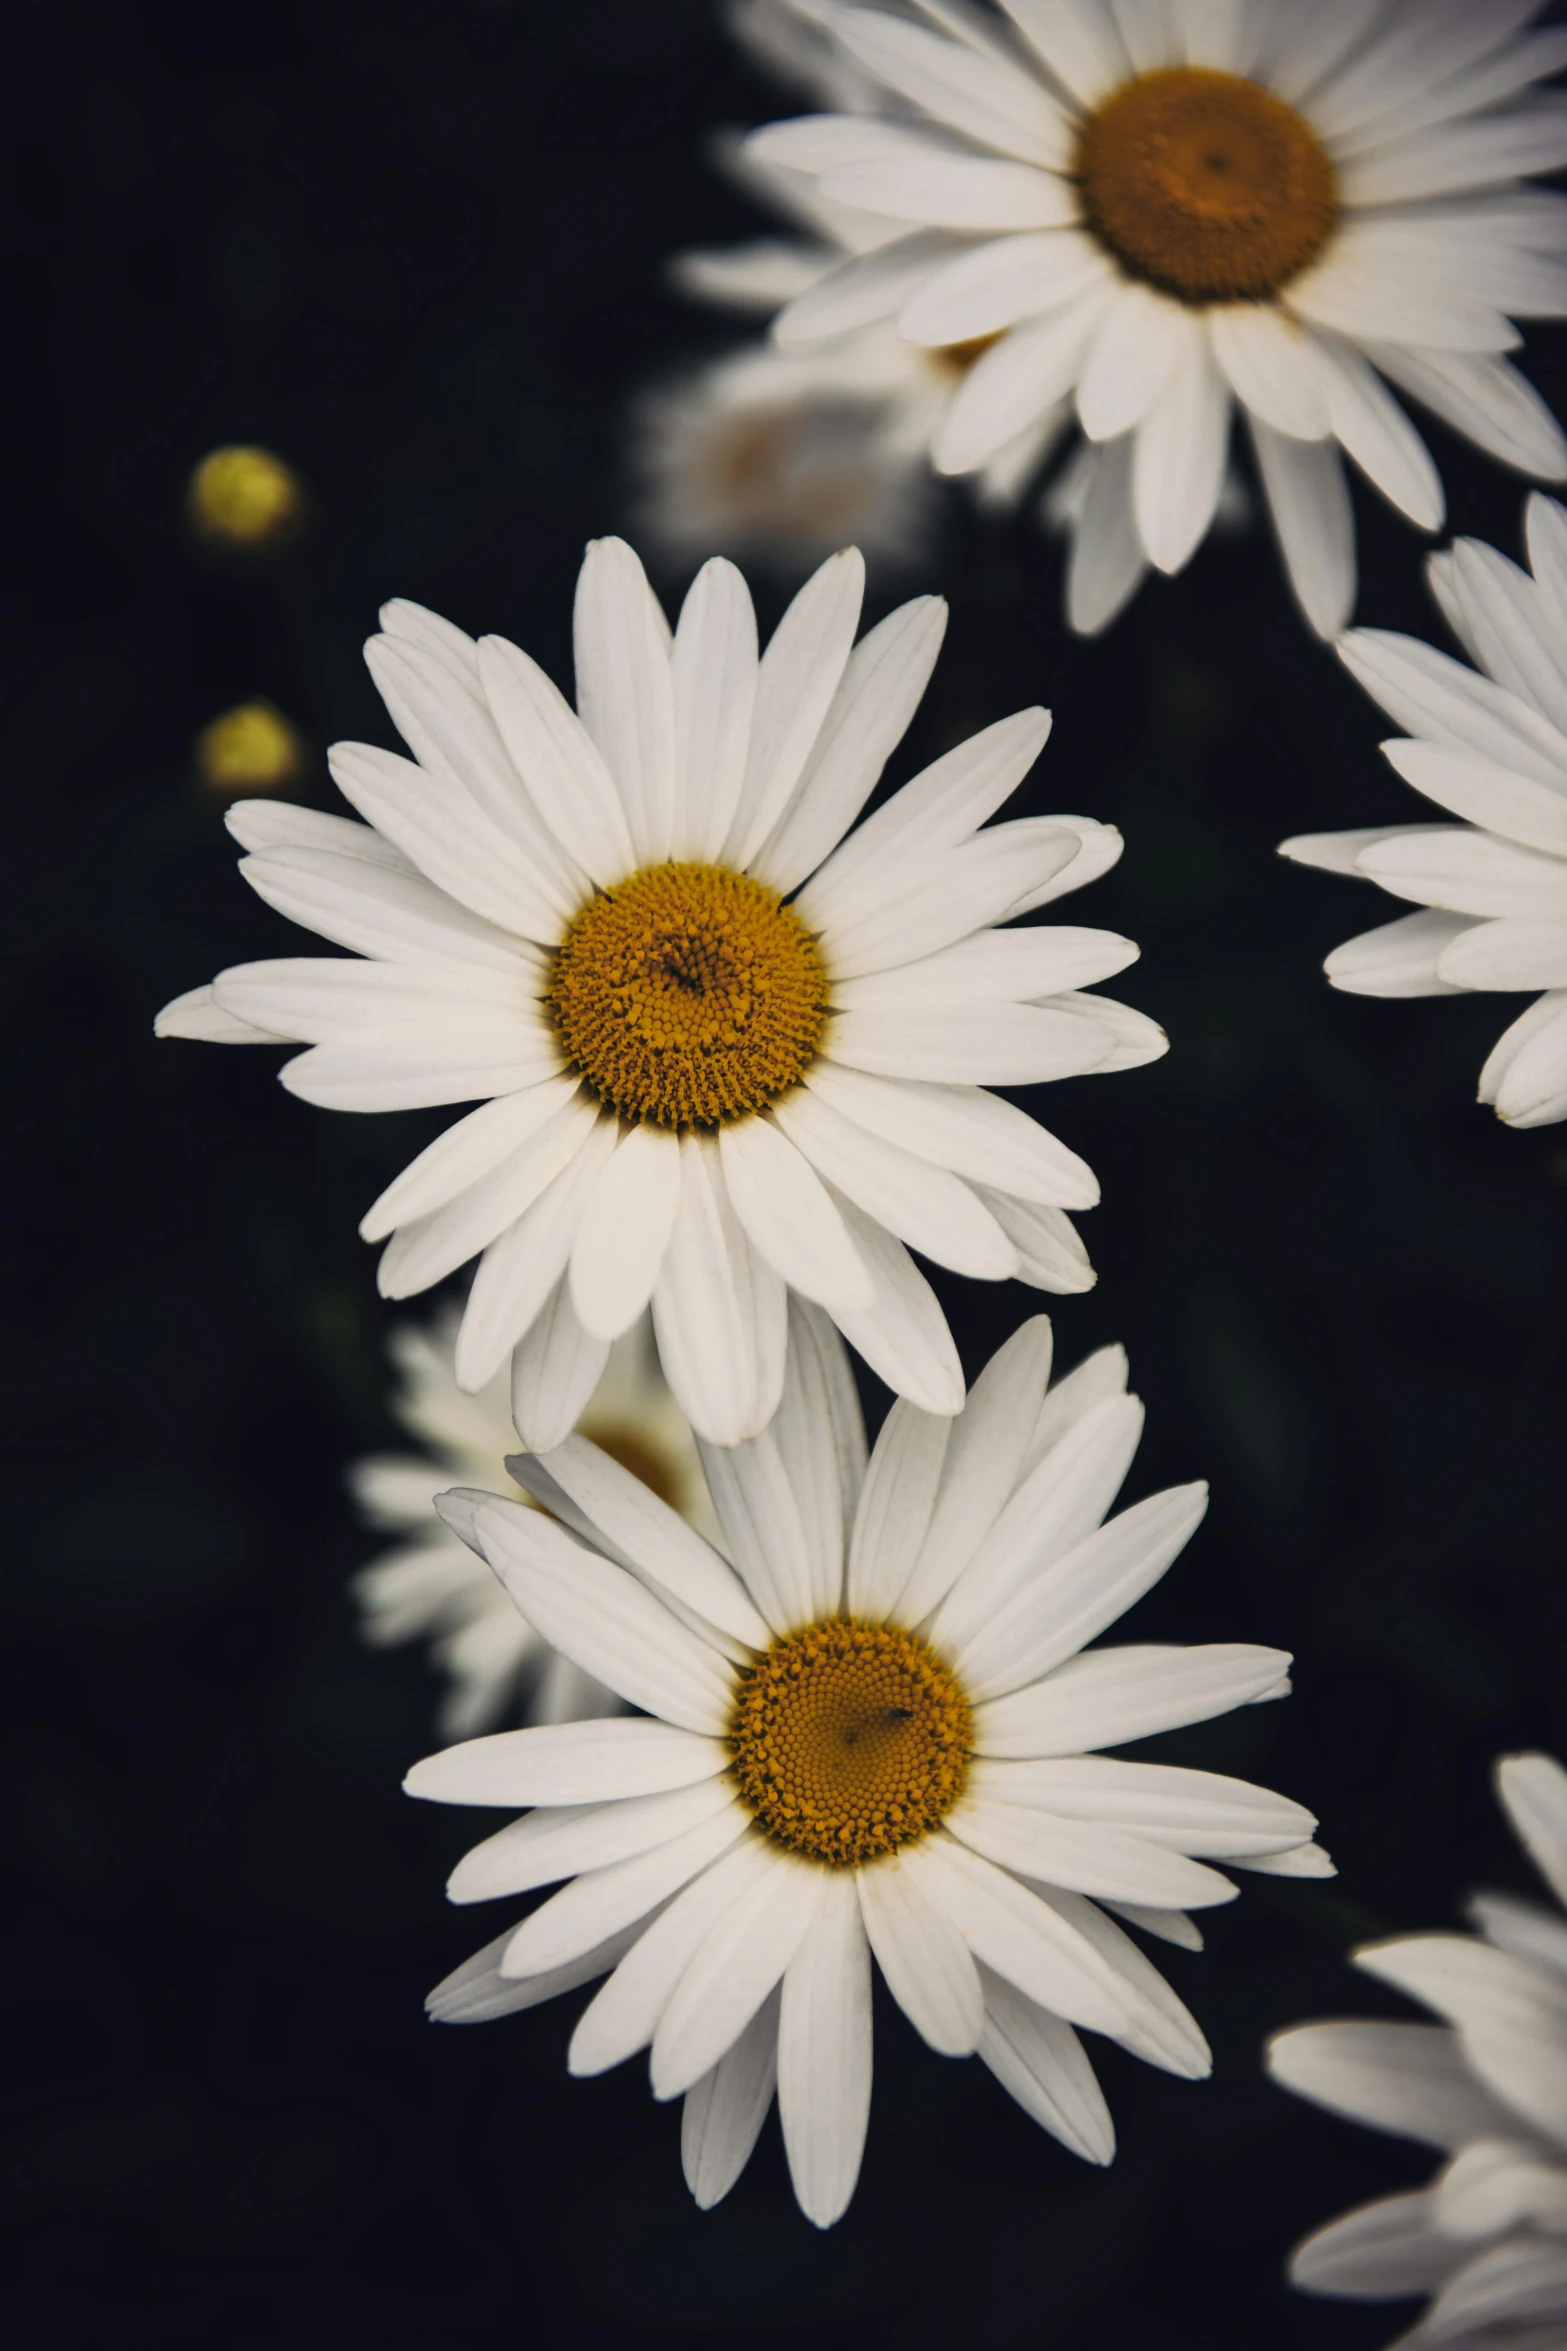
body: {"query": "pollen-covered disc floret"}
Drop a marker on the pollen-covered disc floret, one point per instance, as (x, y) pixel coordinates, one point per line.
(1206, 185)
(688, 996)
(849, 1740)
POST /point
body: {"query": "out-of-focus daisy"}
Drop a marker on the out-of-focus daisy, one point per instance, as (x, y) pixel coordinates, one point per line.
(431, 1587)
(781, 457)
(1157, 209)
(252, 748)
(1487, 2240)
(1490, 749)
(873, 1733)
(723, 1052)
(244, 497)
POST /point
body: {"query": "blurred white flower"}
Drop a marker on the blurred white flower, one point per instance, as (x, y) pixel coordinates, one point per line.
(1491, 749)
(1486, 2242)
(430, 1587)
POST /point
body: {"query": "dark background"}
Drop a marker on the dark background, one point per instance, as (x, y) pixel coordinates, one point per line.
(417, 250)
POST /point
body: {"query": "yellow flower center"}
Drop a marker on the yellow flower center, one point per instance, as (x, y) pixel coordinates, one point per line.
(1206, 185)
(688, 996)
(849, 1740)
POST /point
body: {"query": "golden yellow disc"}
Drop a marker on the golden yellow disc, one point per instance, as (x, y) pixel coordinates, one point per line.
(688, 995)
(250, 749)
(1206, 185)
(245, 497)
(850, 1740)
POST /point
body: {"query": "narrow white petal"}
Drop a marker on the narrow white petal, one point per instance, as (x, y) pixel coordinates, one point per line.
(1270, 365)
(896, 1501)
(932, 183)
(1012, 967)
(1508, 2285)
(929, 1208)
(1495, 797)
(987, 288)
(477, 1992)
(429, 1247)
(928, 900)
(1155, 2025)
(420, 1065)
(519, 1270)
(1107, 564)
(624, 2016)
(1410, 2079)
(1198, 1812)
(820, 1434)
(1168, 1926)
(1534, 1790)
(1110, 1696)
(929, 1968)
(739, 1961)
(1507, 955)
(562, 1841)
(1050, 1256)
(1015, 382)
(199, 1016)
(903, 1333)
(877, 696)
(1078, 1595)
(1445, 158)
(662, 1547)
(764, 1530)
(606, 1621)
(862, 291)
(1178, 460)
(1377, 2253)
(961, 1128)
(1398, 958)
(625, 1228)
(1309, 503)
(453, 841)
(591, 1908)
(624, 690)
(1138, 342)
(969, 90)
(1470, 873)
(723, 2114)
(1040, 2062)
(1085, 1856)
(1077, 40)
(465, 1153)
(1525, 1075)
(279, 824)
(824, 2054)
(1022, 1937)
(375, 909)
(1508, 2010)
(555, 1369)
(1063, 1498)
(315, 998)
(1369, 284)
(558, 760)
(974, 1044)
(714, 668)
(985, 1460)
(1369, 423)
(789, 1216)
(719, 1311)
(1339, 852)
(595, 1762)
(1485, 398)
(799, 675)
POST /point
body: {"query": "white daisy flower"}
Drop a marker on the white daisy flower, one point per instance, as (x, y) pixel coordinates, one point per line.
(430, 1587)
(1491, 749)
(1487, 2240)
(781, 457)
(1160, 208)
(871, 1734)
(722, 1052)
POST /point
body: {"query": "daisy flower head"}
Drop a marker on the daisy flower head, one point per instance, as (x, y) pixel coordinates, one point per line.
(1486, 2242)
(1159, 210)
(429, 1586)
(723, 1052)
(866, 1732)
(1489, 746)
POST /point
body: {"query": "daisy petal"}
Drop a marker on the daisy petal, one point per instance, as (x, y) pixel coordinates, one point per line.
(737, 1964)
(555, 1368)
(820, 1435)
(961, 1128)
(625, 1228)
(789, 1216)
(984, 1043)
(1016, 381)
(990, 287)
(428, 1248)
(1178, 460)
(1021, 1936)
(564, 1840)
(927, 901)
(965, 88)
(1157, 2026)
(595, 1762)
(1139, 340)
(1378, 2253)
(861, 291)
(1494, 797)
(1534, 1790)
(559, 762)
(624, 690)
(1049, 1254)
(896, 1501)
(1111, 1696)
(375, 909)
(931, 183)
(929, 1969)
(1041, 2063)
(477, 1992)
(1371, 426)
(452, 841)
(824, 2055)
(1398, 958)
(1087, 1857)
(1407, 2078)
(763, 1528)
(605, 1620)
(1078, 42)
(925, 1206)
(421, 1064)
(594, 1907)
(984, 1462)
(1309, 505)
(519, 1270)
(714, 669)
(1269, 366)
(723, 2114)
(465, 1154)
(903, 1334)
(199, 1016)
(1486, 399)
(1526, 1071)
(797, 679)
(719, 1311)
(624, 2016)
(1198, 1812)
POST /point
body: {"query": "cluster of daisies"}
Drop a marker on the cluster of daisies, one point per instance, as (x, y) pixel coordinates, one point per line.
(725, 1025)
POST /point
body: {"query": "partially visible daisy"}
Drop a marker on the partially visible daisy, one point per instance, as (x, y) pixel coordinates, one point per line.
(723, 1052)
(1159, 209)
(872, 1734)
(431, 1587)
(1491, 749)
(1486, 2243)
